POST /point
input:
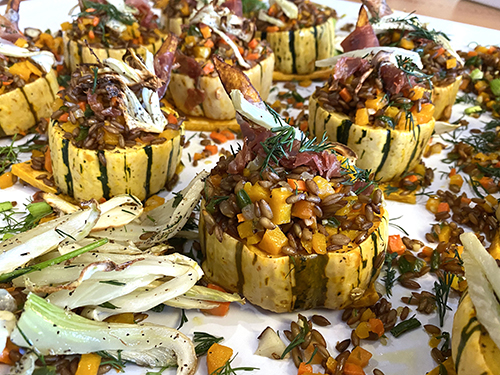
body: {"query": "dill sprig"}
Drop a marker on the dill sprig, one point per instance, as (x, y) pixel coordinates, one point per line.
(312, 144)
(204, 341)
(278, 145)
(466, 99)
(411, 69)
(418, 30)
(109, 9)
(116, 362)
(442, 292)
(390, 273)
(10, 154)
(12, 225)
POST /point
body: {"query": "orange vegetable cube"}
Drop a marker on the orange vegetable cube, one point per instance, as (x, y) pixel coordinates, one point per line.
(6, 180)
(362, 117)
(325, 187)
(352, 369)
(363, 330)
(217, 357)
(303, 209)
(425, 114)
(396, 244)
(319, 243)
(273, 240)
(406, 44)
(359, 356)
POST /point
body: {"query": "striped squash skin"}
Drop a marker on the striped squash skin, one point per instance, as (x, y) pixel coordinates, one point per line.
(297, 51)
(139, 170)
(278, 284)
(389, 153)
(23, 107)
(76, 52)
(217, 104)
(443, 97)
(473, 351)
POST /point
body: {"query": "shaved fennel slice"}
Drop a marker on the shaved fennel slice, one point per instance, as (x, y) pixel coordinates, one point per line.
(274, 21)
(122, 69)
(137, 116)
(7, 325)
(234, 47)
(164, 221)
(52, 331)
(442, 127)
(290, 9)
(43, 58)
(188, 303)
(482, 274)
(118, 211)
(61, 205)
(26, 246)
(368, 53)
(115, 247)
(151, 100)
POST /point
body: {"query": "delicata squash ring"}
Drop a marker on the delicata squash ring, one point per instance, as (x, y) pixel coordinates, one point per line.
(372, 107)
(118, 28)
(290, 228)
(107, 140)
(299, 33)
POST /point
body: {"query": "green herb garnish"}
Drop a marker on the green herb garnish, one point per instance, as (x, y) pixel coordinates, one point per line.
(204, 341)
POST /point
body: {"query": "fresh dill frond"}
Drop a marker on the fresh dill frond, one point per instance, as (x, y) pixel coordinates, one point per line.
(10, 154)
(442, 291)
(466, 99)
(111, 12)
(411, 69)
(417, 29)
(312, 145)
(13, 225)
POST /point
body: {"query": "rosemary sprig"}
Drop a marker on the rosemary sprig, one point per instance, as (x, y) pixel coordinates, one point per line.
(390, 273)
(299, 339)
(204, 341)
(418, 30)
(184, 319)
(116, 362)
(226, 369)
(442, 292)
(406, 326)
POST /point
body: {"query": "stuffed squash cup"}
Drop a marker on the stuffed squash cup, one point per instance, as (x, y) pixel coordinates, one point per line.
(195, 88)
(109, 29)
(298, 39)
(372, 107)
(106, 139)
(28, 87)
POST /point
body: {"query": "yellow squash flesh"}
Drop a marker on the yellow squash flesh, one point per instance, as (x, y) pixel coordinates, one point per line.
(76, 52)
(443, 97)
(217, 104)
(173, 24)
(138, 170)
(23, 107)
(386, 152)
(297, 51)
(334, 280)
(473, 350)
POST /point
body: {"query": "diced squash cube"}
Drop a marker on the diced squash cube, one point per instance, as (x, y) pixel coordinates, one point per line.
(376, 103)
(273, 240)
(217, 357)
(303, 209)
(282, 211)
(319, 243)
(425, 114)
(325, 187)
(359, 356)
(406, 44)
(245, 229)
(362, 117)
(256, 192)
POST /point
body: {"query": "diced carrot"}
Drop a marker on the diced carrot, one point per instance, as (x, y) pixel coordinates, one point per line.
(242, 50)
(376, 326)
(64, 117)
(304, 125)
(272, 29)
(443, 207)
(253, 43)
(91, 34)
(344, 93)
(7, 83)
(471, 53)
(359, 356)
(48, 161)
(209, 43)
(273, 9)
(440, 51)
(297, 184)
(427, 251)
(492, 50)
(90, 10)
(89, 364)
(208, 68)
(486, 182)
(205, 31)
(412, 178)
(212, 149)
(396, 244)
(102, 200)
(241, 218)
(465, 200)
(218, 137)
(304, 369)
(453, 172)
(223, 308)
(172, 119)
(81, 105)
(217, 356)
(252, 56)
(228, 134)
(95, 21)
(352, 369)
(4, 355)
(197, 156)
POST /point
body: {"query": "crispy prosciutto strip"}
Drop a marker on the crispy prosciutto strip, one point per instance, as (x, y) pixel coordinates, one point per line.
(362, 37)
(347, 66)
(148, 19)
(235, 6)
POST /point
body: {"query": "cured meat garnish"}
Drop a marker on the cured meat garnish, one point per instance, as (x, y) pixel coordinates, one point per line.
(164, 61)
(362, 37)
(235, 6)
(325, 163)
(187, 65)
(194, 98)
(395, 80)
(347, 66)
(378, 8)
(149, 18)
